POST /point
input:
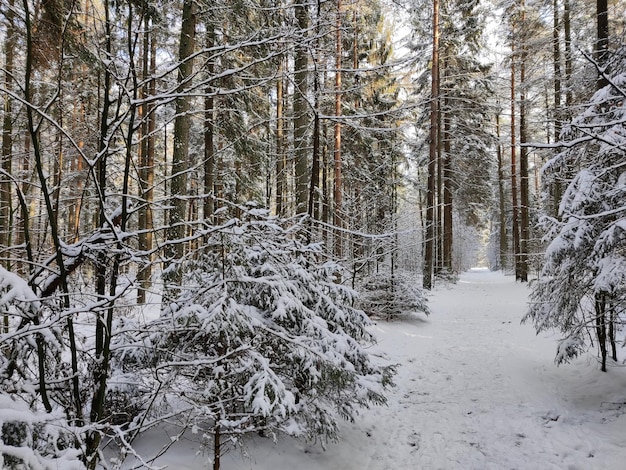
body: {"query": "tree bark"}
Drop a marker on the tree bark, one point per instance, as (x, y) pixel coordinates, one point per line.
(567, 30)
(447, 194)
(338, 190)
(600, 310)
(281, 164)
(602, 44)
(523, 135)
(514, 195)
(6, 206)
(556, 56)
(178, 187)
(301, 119)
(146, 162)
(432, 159)
(504, 248)
(209, 132)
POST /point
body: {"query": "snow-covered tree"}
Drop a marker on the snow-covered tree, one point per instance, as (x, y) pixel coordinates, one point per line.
(583, 283)
(390, 295)
(262, 338)
(33, 433)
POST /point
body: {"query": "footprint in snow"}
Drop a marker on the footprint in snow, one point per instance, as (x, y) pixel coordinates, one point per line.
(414, 441)
(550, 417)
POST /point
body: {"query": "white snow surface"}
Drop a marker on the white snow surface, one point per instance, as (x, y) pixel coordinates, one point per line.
(475, 390)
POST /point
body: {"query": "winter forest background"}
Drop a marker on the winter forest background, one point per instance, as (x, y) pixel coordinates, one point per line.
(203, 202)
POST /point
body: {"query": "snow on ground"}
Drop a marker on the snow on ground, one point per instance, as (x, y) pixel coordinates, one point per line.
(475, 390)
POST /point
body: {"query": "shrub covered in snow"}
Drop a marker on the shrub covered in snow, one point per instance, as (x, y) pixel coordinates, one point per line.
(34, 431)
(389, 295)
(263, 339)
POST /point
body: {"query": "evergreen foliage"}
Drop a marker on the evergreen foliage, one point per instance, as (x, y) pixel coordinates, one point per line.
(262, 338)
(582, 284)
(392, 295)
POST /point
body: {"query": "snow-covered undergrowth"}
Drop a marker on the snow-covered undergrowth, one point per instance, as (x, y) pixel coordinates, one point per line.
(261, 339)
(391, 296)
(255, 335)
(475, 390)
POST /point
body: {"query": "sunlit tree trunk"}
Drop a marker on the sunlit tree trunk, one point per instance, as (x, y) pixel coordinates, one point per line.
(180, 155)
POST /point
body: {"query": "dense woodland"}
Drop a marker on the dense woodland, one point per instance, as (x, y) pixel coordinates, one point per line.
(200, 199)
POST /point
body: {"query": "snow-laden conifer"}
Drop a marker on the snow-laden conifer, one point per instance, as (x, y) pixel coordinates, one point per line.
(389, 296)
(582, 288)
(263, 338)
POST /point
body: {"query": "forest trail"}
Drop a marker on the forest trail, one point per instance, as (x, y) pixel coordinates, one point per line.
(475, 390)
(478, 390)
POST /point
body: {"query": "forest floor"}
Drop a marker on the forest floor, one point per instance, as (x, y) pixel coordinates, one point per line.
(475, 390)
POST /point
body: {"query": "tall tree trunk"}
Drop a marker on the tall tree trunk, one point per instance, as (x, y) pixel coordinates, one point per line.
(146, 161)
(523, 135)
(612, 331)
(6, 208)
(314, 186)
(313, 209)
(556, 188)
(25, 188)
(567, 30)
(281, 164)
(601, 334)
(325, 178)
(209, 131)
(602, 44)
(432, 159)
(556, 57)
(516, 234)
(438, 256)
(338, 193)
(180, 156)
(32, 130)
(504, 248)
(602, 49)
(104, 324)
(447, 193)
(301, 119)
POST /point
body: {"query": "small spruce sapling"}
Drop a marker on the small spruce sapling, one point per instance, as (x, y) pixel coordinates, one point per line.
(390, 296)
(263, 339)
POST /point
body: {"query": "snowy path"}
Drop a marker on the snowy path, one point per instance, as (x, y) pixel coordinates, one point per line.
(475, 391)
(480, 391)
